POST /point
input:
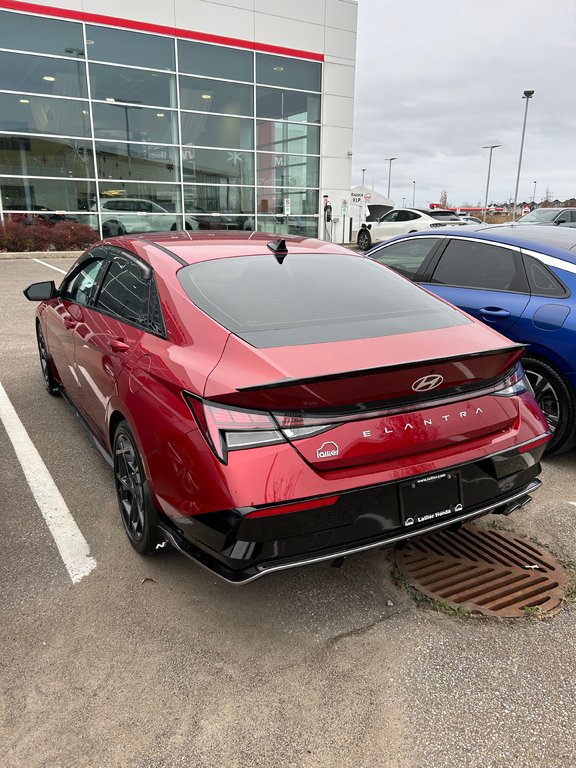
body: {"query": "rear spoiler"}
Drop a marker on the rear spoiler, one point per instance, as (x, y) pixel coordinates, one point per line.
(381, 369)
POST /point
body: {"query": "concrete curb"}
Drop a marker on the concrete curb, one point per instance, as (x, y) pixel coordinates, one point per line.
(40, 255)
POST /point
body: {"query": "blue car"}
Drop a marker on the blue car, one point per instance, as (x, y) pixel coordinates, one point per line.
(520, 280)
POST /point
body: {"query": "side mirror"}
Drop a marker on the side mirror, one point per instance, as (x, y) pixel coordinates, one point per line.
(560, 221)
(41, 291)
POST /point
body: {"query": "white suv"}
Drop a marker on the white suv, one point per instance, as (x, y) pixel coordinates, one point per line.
(128, 215)
(400, 221)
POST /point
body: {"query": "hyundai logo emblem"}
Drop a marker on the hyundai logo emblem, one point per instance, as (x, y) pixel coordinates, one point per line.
(426, 383)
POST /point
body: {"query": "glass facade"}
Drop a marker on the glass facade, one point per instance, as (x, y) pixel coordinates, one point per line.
(135, 132)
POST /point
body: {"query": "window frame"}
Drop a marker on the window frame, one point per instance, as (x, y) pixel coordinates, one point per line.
(107, 256)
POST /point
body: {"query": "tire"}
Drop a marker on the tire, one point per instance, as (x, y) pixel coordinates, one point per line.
(112, 229)
(46, 364)
(137, 510)
(557, 400)
(364, 240)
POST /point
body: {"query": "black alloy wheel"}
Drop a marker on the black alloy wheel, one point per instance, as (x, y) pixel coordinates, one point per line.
(364, 239)
(557, 400)
(136, 507)
(49, 381)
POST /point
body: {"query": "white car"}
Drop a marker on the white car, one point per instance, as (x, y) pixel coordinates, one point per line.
(400, 221)
(129, 215)
(470, 219)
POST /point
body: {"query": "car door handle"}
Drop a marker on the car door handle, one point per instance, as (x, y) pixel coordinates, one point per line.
(118, 345)
(495, 312)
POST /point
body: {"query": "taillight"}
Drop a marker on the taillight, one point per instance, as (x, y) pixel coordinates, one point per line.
(515, 384)
(232, 429)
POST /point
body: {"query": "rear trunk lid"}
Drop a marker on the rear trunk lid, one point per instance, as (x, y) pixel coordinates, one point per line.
(371, 400)
(392, 370)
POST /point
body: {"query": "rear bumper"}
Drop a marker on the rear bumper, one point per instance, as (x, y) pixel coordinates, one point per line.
(241, 549)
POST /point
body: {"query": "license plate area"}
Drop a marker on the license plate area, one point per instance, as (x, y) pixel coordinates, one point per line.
(432, 498)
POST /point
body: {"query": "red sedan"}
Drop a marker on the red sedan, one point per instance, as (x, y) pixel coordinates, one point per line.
(272, 403)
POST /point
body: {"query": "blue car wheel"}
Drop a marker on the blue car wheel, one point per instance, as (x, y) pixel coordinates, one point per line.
(557, 400)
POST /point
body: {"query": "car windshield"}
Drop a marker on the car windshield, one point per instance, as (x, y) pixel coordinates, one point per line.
(539, 215)
(311, 299)
(445, 215)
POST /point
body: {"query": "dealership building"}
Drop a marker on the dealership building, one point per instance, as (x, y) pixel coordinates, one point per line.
(142, 115)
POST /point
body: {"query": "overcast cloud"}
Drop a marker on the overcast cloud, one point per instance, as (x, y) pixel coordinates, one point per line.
(435, 83)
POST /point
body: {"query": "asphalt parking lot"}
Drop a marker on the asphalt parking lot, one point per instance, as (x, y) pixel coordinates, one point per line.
(154, 663)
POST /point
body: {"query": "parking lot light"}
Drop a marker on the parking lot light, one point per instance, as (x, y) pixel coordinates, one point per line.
(527, 95)
(389, 159)
(491, 147)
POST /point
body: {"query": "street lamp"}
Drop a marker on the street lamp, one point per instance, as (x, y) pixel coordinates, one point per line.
(491, 147)
(389, 159)
(363, 172)
(534, 193)
(527, 95)
(413, 194)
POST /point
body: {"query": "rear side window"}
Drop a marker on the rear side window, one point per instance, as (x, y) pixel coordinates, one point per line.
(407, 256)
(542, 281)
(471, 264)
(311, 299)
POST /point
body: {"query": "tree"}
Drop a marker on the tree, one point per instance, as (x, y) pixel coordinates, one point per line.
(444, 199)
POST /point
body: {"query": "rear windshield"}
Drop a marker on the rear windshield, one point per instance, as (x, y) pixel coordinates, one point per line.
(444, 215)
(311, 299)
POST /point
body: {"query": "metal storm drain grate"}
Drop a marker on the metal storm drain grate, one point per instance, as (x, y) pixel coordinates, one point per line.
(491, 572)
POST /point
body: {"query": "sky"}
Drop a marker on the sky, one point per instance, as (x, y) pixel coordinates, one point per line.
(436, 82)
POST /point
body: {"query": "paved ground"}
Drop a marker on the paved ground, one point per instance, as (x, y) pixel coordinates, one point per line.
(153, 663)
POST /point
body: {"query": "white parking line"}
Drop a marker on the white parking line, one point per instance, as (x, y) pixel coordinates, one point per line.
(45, 263)
(72, 546)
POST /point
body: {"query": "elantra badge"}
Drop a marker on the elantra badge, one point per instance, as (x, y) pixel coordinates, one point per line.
(326, 450)
(426, 383)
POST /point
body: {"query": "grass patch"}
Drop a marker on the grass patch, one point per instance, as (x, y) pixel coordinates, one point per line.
(534, 612)
(437, 604)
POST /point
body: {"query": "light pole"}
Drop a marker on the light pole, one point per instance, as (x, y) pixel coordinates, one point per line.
(527, 95)
(363, 172)
(403, 202)
(534, 194)
(389, 159)
(413, 194)
(491, 147)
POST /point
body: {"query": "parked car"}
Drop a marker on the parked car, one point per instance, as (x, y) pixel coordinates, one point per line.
(469, 219)
(399, 221)
(274, 403)
(519, 280)
(129, 215)
(563, 217)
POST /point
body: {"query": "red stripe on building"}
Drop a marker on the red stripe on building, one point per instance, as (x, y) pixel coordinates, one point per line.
(144, 26)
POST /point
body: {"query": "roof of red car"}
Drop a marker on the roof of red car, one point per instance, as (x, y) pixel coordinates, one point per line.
(192, 247)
